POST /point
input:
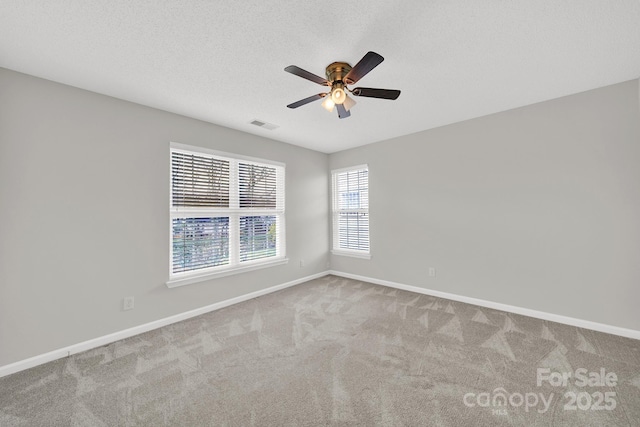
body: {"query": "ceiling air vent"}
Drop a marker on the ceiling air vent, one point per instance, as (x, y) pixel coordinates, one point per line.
(265, 125)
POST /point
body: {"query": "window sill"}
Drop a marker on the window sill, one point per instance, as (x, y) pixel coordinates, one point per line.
(354, 254)
(195, 278)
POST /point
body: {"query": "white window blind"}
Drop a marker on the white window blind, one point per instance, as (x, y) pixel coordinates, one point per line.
(257, 186)
(227, 213)
(350, 192)
(200, 243)
(199, 181)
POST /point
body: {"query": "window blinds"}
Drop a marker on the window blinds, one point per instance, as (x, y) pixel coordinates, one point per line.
(351, 209)
(257, 237)
(257, 186)
(200, 243)
(225, 212)
(199, 181)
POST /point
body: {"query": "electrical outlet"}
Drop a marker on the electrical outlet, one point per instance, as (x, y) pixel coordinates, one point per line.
(432, 272)
(301, 263)
(128, 303)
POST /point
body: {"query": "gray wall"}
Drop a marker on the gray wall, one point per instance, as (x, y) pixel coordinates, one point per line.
(84, 214)
(537, 207)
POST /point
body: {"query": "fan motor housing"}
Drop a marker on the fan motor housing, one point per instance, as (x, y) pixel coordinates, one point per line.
(337, 71)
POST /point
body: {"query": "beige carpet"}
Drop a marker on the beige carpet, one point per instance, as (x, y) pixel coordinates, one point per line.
(338, 352)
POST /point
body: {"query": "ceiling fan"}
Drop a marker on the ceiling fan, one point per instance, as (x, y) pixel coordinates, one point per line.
(339, 76)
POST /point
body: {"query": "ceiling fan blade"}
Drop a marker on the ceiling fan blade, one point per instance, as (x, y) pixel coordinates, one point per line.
(306, 75)
(342, 112)
(368, 62)
(307, 100)
(376, 93)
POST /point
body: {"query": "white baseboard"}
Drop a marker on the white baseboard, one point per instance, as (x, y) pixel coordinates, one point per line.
(108, 339)
(580, 323)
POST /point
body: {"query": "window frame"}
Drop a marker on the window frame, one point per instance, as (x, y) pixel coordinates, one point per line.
(234, 212)
(335, 212)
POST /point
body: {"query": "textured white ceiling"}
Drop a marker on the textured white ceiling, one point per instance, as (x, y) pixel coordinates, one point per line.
(222, 61)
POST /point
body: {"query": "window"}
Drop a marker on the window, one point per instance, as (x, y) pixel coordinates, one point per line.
(227, 214)
(350, 192)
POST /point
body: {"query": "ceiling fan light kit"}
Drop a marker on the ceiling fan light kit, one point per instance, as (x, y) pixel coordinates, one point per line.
(339, 75)
(348, 102)
(337, 93)
(328, 104)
